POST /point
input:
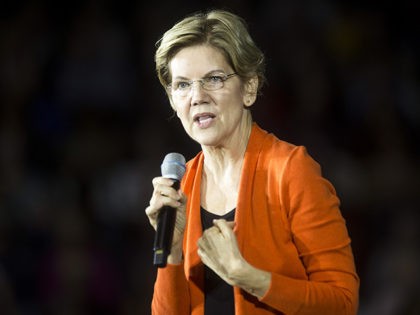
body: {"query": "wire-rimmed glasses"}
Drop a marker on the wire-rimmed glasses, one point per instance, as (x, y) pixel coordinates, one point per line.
(182, 88)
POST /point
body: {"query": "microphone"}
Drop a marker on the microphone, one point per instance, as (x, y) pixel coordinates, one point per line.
(173, 167)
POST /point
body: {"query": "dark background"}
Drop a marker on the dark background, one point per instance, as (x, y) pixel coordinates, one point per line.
(84, 126)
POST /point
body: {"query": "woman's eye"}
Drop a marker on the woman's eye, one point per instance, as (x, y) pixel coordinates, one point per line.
(181, 85)
(215, 79)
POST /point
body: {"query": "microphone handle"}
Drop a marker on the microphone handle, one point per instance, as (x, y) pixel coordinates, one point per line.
(164, 233)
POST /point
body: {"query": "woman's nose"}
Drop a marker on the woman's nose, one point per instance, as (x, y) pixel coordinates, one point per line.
(197, 92)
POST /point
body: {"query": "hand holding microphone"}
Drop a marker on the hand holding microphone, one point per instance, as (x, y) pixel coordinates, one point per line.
(166, 211)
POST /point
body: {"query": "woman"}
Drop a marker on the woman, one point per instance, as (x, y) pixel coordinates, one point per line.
(274, 241)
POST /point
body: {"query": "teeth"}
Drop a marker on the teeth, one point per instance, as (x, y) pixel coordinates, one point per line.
(203, 118)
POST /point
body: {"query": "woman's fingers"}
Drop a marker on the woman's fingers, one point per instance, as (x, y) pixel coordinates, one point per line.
(163, 187)
(163, 195)
(226, 227)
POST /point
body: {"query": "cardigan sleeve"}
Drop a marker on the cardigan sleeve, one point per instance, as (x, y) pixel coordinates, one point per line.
(171, 293)
(320, 235)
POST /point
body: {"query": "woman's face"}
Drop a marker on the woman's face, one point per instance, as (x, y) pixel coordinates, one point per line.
(212, 118)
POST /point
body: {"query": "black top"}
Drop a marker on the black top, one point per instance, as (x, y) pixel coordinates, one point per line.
(218, 294)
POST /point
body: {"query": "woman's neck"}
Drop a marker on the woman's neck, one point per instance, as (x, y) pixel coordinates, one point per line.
(222, 174)
(226, 159)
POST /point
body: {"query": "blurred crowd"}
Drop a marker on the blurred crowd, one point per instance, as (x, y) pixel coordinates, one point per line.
(84, 127)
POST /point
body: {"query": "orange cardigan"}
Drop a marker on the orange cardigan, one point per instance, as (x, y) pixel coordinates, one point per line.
(288, 222)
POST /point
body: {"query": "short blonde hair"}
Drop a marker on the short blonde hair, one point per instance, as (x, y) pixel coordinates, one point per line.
(221, 29)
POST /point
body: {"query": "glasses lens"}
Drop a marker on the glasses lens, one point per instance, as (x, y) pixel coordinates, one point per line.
(210, 83)
(214, 82)
(179, 88)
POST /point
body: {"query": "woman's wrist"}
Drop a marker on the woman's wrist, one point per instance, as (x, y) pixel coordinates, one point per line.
(260, 285)
(252, 280)
(175, 257)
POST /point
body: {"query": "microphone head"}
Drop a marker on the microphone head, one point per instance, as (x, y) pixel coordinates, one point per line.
(173, 166)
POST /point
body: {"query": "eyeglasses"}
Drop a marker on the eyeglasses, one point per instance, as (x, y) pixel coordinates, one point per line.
(212, 82)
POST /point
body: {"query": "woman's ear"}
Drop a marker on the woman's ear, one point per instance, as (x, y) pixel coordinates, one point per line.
(251, 90)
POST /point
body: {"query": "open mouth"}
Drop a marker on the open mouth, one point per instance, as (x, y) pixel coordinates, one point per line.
(204, 119)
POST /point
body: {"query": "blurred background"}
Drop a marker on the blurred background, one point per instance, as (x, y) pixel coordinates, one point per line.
(84, 127)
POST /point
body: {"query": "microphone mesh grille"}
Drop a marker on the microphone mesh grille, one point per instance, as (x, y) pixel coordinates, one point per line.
(173, 166)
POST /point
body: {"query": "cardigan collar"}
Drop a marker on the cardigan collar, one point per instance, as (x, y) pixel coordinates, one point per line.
(192, 184)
